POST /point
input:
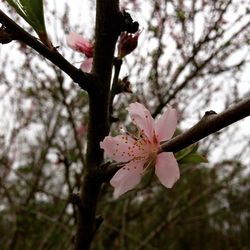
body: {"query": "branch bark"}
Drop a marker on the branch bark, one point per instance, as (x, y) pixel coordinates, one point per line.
(209, 124)
(106, 33)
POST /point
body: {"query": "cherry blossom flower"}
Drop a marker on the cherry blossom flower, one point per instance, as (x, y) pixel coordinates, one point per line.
(143, 151)
(80, 44)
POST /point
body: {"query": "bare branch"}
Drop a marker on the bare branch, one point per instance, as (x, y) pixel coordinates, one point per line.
(209, 124)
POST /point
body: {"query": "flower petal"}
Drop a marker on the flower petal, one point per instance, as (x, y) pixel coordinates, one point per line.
(86, 65)
(80, 44)
(142, 118)
(166, 169)
(127, 177)
(165, 126)
(120, 148)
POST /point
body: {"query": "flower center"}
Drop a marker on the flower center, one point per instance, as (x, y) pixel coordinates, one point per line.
(147, 149)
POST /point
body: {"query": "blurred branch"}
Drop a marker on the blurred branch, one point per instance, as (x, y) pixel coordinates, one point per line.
(165, 223)
(173, 90)
(58, 221)
(54, 221)
(70, 117)
(39, 164)
(130, 236)
(124, 224)
(83, 79)
(212, 189)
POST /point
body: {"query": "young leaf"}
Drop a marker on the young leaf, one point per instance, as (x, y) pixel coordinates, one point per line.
(32, 12)
(186, 151)
(193, 158)
(190, 155)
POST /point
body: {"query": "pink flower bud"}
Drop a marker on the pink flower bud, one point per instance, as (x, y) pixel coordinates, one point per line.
(128, 42)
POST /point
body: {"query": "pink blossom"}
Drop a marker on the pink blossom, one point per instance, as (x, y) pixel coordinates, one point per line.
(127, 43)
(80, 44)
(81, 130)
(86, 65)
(142, 151)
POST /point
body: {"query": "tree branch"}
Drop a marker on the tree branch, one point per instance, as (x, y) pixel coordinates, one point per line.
(83, 79)
(209, 124)
(107, 31)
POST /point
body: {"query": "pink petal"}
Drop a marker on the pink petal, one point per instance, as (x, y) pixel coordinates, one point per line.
(166, 169)
(86, 65)
(80, 44)
(165, 126)
(142, 118)
(127, 177)
(119, 148)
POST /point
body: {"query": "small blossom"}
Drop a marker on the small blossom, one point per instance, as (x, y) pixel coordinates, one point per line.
(81, 130)
(141, 152)
(127, 43)
(80, 44)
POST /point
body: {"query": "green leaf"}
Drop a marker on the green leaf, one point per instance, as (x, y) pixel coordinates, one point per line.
(190, 155)
(186, 151)
(32, 12)
(193, 158)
